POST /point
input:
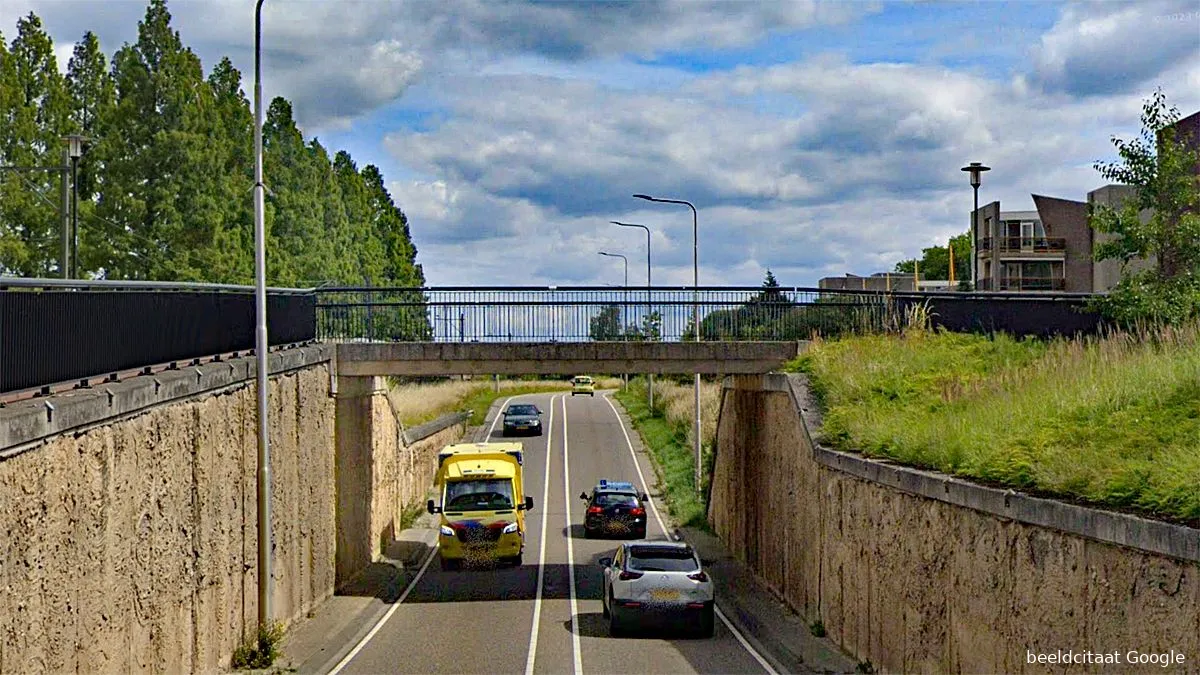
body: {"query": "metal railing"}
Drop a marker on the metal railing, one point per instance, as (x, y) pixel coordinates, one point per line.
(593, 314)
(1026, 244)
(1027, 283)
(59, 330)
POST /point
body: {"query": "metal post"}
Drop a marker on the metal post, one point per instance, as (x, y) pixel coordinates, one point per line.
(974, 234)
(370, 311)
(696, 321)
(649, 308)
(64, 260)
(261, 343)
(695, 307)
(75, 217)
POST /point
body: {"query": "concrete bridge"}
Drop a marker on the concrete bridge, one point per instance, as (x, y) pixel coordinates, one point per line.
(658, 358)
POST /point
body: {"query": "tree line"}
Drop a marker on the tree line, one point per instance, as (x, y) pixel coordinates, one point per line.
(165, 182)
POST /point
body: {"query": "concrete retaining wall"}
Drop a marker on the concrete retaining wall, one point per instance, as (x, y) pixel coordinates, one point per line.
(380, 473)
(128, 533)
(918, 572)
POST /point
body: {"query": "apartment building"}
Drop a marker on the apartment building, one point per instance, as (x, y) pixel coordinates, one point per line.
(1052, 248)
(1048, 249)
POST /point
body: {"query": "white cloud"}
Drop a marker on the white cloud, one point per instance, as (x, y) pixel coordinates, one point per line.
(547, 120)
(1112, 47)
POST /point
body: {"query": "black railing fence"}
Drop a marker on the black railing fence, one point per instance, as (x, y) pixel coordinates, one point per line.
(55, 330)
(587, 314)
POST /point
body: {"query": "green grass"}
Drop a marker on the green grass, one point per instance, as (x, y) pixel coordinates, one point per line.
(260, 650)
(673, 456)
(1112, 422)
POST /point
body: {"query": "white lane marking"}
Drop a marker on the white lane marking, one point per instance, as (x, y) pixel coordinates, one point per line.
(721, 615)
(392, 610)
(499, 414)
(570, 547)
(537, 602)
(637, 465)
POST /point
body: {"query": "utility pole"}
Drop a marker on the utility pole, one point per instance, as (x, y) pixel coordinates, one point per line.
(67, 172)
(64, 257)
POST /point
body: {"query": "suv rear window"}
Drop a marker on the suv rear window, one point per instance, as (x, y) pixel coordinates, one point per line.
(661, 559)
(615, 498)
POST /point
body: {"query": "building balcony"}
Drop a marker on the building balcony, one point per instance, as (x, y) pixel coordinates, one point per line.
(1051, 246)
(1025, 284)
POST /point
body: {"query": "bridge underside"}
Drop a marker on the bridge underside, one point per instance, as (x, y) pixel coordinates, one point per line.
(472, 358)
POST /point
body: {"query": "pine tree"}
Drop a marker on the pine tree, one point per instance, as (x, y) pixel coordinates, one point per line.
(38, 117)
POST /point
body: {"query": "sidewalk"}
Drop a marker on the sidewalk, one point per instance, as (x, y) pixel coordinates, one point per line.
(775, 631)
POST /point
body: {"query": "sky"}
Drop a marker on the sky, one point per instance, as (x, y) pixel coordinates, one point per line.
(814, 138)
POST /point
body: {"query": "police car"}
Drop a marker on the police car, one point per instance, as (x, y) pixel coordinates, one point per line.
(615, 508)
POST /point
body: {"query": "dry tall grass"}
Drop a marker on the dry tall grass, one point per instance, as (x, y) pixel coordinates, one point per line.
(419, 403)
(677, 402)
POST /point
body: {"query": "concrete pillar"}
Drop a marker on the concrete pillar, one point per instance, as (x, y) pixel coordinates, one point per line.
(353, 468)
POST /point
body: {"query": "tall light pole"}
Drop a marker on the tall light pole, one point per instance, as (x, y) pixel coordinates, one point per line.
(260, 343)
(68, 200)
(618, 255)
(75, 151)
(626, 260)
(650, 377)
(695, 306)
(976, 168)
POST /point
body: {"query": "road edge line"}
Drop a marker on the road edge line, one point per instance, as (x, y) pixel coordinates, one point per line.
(387, 615)
(531, 654)
(578, 655)
(762, 660)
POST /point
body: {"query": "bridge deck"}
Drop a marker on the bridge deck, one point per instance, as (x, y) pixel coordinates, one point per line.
(659, 358)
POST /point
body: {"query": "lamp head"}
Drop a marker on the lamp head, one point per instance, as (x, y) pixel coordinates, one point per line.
(976, 168)
(646, 197)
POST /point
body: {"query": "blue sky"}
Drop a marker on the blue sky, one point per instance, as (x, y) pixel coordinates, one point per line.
(816, 138)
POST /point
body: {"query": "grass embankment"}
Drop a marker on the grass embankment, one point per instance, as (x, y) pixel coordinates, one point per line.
(667, 434)
(424, 402)
(1113, 422)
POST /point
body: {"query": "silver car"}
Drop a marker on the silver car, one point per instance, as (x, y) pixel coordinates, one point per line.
(656, 579)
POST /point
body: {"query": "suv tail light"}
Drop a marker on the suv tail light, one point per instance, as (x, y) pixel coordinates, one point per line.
(595, 509)
(629, 576)
(698, 576)
(639, 511)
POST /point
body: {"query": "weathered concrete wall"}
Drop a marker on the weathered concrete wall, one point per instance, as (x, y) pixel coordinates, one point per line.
(379, 475)
(130, 545)
(919, 572)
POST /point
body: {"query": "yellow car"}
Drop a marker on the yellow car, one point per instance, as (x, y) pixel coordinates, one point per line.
(582, 384)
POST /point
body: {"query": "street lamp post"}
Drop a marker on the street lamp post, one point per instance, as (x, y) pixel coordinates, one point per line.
(261, 344)
(977, 168)
(695, 307)
(650, 376)
(74, 151)
(68, 201)
(626, 260)
(625, 301)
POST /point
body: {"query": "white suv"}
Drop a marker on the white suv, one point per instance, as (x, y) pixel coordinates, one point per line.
(659, 579)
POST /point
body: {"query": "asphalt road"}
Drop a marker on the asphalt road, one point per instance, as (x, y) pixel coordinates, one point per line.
(545, 616)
